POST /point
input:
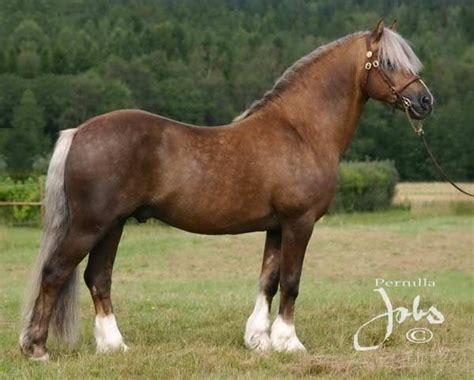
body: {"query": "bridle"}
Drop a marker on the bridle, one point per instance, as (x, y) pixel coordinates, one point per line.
(373, 63)
(398, 98)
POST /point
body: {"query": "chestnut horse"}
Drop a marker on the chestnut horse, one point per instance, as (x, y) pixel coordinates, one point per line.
(273, 169)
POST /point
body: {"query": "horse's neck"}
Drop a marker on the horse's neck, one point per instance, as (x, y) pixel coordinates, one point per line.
(326, 103)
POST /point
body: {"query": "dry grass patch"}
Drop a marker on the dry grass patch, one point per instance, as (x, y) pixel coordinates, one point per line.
(438, 197)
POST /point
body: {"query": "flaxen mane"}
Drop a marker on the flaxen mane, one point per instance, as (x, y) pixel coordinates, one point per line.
(395, 53)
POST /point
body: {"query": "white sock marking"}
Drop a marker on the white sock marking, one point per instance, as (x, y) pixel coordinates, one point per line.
(283, 337)
(107, 334)
(256, 330)
(42, 358)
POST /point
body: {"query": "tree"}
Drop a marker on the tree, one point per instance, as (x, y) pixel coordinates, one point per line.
(74, 51)
(92, 95)
(11, 91)
(31, 48)
(28, 62)
(25, 140)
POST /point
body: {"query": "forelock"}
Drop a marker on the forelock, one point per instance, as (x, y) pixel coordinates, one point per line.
(396, 50)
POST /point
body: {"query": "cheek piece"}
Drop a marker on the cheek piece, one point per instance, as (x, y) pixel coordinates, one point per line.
(396, 91)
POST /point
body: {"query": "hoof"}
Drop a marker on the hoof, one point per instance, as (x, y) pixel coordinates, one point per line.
(288, 345)
(256, 330)
(283, 337)
(108, 348)
(259, 341)
(35, 353)
(42, 358)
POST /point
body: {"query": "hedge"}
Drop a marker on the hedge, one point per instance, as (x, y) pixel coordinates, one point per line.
(28, 190)
(365, 186)
(362, 186)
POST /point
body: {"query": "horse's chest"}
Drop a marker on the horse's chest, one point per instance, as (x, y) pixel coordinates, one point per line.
(310, 192)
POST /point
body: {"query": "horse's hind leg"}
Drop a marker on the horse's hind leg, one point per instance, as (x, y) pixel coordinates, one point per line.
(54, 286)
(98, 277)
(256, 331)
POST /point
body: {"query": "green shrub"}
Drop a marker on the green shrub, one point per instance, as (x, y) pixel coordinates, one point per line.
(20, 191)
(365, 186)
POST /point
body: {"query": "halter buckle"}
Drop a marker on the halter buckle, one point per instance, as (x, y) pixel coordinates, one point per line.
(375, 63)
(368, 66)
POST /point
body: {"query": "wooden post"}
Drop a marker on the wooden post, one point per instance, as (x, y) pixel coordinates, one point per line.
(41, 199)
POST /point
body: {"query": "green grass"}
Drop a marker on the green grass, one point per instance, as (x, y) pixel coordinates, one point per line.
(182, 300)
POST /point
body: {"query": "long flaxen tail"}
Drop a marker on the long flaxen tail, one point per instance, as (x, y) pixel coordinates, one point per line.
(65, 315)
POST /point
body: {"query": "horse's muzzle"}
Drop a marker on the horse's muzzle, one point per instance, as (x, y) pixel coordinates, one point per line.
(421, 106)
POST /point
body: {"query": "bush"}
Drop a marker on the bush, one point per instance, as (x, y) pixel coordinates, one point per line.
(365, 186)
(20, 191)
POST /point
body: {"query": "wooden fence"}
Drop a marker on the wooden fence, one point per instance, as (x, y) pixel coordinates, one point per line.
(39, 204)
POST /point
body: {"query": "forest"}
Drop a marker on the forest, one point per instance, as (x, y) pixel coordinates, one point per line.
(204, 62)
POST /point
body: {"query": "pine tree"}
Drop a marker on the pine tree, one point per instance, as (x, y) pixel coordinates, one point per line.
(25, 140)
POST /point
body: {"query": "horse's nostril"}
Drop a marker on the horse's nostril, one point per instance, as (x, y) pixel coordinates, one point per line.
(425, 102)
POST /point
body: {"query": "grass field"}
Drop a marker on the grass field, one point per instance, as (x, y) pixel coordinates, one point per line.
(182, 301)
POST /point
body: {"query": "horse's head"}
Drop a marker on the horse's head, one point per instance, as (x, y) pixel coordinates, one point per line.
(391, 73)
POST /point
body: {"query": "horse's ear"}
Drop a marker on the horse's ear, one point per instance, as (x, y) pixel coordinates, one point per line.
(378, 31)
(394, 25)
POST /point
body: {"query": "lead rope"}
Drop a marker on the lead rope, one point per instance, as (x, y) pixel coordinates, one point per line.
(417, 127)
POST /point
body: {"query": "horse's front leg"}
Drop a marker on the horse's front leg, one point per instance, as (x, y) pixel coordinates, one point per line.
(295, 236)
(258, 325)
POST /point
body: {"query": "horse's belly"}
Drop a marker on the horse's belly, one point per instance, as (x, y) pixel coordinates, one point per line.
(238, 227)
(211, 220)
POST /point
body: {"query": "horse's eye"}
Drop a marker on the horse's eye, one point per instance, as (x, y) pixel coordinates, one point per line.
(389, 65)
